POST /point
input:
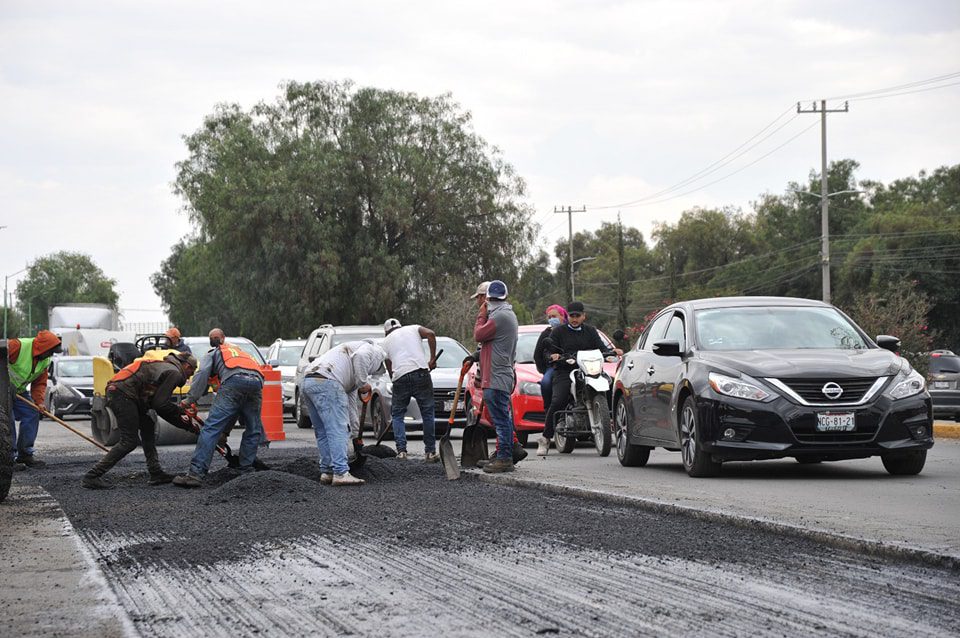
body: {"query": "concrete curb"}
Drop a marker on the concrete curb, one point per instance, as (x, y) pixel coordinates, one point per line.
(946, 430)
(827, 537)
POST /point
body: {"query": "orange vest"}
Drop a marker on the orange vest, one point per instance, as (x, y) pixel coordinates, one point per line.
(234, 357)
(129, 370)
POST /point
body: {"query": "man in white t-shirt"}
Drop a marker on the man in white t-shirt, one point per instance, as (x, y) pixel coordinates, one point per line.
(410, 368)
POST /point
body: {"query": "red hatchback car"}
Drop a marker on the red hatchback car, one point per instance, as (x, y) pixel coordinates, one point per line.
(529, 413)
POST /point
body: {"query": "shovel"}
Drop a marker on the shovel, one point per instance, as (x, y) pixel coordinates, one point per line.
(447, 456)
(474, 444)
(60, 422)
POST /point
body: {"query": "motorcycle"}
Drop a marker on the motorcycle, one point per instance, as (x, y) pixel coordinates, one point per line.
(588, 413)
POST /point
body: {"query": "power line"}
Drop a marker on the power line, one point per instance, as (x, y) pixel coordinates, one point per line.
(880, 97)
(898, 87)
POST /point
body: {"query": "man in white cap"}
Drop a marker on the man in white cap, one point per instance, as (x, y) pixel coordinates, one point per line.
(409, 369)
(328, 384)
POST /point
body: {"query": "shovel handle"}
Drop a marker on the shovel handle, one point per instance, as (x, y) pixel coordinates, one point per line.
(75, 431)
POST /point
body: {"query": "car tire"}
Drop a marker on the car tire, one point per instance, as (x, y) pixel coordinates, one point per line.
(601, 434)
(696, 461)
(301, 414)
(628, 454)
(523, 437)
(378, 420)
(905, 464)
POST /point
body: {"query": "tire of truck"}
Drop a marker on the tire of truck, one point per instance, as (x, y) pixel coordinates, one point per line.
(6, 440)
(170, 435)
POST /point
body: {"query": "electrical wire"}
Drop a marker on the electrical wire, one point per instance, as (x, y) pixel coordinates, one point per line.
(880, 97)
(898, 87)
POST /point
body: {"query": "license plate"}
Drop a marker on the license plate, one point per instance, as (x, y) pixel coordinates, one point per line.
(448, 406)
(836, 422)
(941, 384)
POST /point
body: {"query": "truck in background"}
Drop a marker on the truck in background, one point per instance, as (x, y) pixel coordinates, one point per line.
(87, 328)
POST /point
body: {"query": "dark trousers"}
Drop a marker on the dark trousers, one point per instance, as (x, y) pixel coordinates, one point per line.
(136, 427)
(418, 385)
(558, 402)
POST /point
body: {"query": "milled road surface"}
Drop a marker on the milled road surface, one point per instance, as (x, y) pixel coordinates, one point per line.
(411, 554)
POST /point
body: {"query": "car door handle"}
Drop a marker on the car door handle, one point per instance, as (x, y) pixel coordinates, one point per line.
(650, 370)
(630, 365)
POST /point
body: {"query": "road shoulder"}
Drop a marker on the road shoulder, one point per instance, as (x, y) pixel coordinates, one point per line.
(51, 584)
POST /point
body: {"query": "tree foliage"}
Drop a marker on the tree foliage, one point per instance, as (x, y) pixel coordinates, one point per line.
(63, 277)
(340, 205)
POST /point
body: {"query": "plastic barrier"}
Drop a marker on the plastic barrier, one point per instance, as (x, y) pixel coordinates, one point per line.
(271, 411)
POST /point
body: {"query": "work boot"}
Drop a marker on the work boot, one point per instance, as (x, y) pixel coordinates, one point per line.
(326, 478)
(159, 478)
(187, 480)
(518, 454)
(431, 457)
(95, 483)
(543, 445)
(31, 462)
(402, 455)
(346, 479)
(498, 465)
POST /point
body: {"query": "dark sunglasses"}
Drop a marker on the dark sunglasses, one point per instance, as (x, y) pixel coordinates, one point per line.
(575, 314)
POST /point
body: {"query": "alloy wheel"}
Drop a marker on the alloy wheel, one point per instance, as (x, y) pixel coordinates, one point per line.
(688, 435)
(621, 429)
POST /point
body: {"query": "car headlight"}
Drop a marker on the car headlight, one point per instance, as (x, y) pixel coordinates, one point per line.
(743, 388)
(530, 388)
(907, 383)
(286, 379)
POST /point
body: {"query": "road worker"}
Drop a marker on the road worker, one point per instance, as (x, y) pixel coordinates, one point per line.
(28, 360)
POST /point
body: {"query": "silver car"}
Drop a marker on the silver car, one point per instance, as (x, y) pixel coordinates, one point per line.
(283, 355)
(444, 386)
(69, 386)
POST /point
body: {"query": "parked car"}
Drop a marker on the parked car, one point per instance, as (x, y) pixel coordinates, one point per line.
(943, 380)
(444, 377)
(69, 386)
(746, 378)
(284, 354)
(318, 343)
(529, 413)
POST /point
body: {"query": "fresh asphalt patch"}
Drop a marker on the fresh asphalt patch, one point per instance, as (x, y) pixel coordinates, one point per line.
(411, 553)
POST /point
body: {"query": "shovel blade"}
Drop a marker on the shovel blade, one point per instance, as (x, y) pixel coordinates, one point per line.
(474, 446)
(449, 459)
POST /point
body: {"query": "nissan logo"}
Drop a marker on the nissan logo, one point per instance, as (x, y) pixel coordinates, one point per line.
(831, 390)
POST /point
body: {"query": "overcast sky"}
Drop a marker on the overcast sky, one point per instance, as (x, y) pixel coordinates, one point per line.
(595, 103)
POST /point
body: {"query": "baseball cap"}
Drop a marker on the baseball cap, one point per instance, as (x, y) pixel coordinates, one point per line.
(481, 290)
(575, 306)
(390, 324)
(497, 290)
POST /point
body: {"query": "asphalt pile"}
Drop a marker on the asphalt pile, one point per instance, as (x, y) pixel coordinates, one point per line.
(261, 487)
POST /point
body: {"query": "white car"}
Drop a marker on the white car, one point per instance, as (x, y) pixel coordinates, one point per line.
(283, 355)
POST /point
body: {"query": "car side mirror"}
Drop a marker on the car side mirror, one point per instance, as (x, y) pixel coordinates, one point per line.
(312, 358)
(667, 348)
(889, 343)
(273, 363)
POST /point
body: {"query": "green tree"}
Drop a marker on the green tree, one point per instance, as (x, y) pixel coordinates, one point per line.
(341, 205)
(63, 277)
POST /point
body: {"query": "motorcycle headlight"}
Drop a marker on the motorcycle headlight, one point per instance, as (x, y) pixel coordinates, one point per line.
(530, 388)
(743, 388)
(907, 383)
(593, 367)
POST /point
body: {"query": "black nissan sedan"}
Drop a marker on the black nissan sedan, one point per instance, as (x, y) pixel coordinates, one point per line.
(749, 378)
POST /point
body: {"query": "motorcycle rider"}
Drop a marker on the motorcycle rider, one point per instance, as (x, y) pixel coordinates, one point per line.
(565, 340)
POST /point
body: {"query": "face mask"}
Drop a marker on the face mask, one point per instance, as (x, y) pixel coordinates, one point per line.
(554, 322)
(214, 342)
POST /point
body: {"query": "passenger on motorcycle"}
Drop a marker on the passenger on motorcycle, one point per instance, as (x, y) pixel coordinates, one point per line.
(568, 339)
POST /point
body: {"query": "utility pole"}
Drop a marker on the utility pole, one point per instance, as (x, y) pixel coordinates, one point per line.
(824, 199)
(569, 210)
(621, 278)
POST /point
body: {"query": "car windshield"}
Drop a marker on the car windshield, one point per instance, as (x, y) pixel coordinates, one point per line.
(453, 353)
(776, 328)
(944, 364)
(76, 368)
(344, 337)
(526, 344)
(290, 355)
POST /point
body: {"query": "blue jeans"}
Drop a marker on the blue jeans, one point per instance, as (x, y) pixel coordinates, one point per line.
(546, 388)
(327, 405)
(240, 396)
(29, 425)
(498, 405)
(418, 385)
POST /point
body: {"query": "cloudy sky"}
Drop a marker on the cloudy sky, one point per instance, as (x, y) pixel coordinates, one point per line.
(595, 103)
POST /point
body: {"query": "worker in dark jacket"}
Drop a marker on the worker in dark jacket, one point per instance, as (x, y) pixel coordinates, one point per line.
(28, 360)
(563, 341)
(176, 343)
(141, 386)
